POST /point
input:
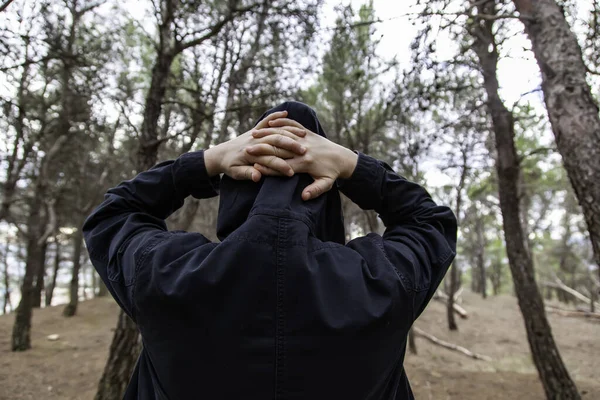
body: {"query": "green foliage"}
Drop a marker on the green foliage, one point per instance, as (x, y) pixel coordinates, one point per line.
(355, 104)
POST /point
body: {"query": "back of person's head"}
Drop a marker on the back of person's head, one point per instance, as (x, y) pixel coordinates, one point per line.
(238, 198)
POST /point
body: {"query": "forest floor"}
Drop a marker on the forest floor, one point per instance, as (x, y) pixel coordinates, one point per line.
(69, 368)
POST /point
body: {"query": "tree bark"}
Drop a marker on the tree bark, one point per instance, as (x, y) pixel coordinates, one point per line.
(39, 277)
(71, 308)
(571, 107)
(50, 287)
(480, 231)
(21, 338)
(554, 376)
(454, 278)
(124, 351)
(102, 289)
(6, 301)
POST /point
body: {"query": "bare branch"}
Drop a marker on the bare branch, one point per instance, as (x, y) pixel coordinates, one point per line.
(5, 4)
(52, 222)
(540, 150)
(89, 8)
(214, 30)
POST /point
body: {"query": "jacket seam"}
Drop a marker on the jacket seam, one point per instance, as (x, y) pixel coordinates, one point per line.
(149, 247)
(280, 311)
(406, 282)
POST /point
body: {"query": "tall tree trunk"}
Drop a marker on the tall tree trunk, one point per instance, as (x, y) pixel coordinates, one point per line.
(571, 107)
(39, 277)
(475, 277)
(102, 289)
(453, 287)
(36, 252)
(496, 276)
(126, 346)
(6, 300)
(454, 273)
(554, 376)
(52, 284)
(71, 308)
(480, 230)
(124, 351)
(592, 297)
(21, 338)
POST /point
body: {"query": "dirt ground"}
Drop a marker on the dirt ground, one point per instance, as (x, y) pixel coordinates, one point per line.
(70, 367)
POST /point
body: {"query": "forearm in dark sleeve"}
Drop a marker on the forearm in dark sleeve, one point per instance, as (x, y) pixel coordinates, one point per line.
(420, 236)
(134, 212)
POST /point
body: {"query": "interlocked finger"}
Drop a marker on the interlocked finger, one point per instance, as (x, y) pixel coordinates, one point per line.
(317, 188)
(265, 122)
(285, 122)
(267, 171)
(289, 131)
(274, 163)
(264, 149)
(283, 142)
(245, 173)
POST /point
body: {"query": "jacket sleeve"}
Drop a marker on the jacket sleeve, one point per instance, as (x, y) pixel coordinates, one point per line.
(128, 227)
(419, 242)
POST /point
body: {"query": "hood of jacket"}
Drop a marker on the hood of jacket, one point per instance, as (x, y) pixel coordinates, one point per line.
(281, 195)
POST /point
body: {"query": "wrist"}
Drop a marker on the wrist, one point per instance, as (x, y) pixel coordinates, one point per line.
(212, 161)
(348, 161)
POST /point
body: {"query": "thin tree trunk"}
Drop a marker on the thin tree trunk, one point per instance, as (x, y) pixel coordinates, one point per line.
(554, 376)
(592, 298)
(452, 325)
(102, 289)
(94, 283)
(454, 276)
(6, 303)
(50, 287)
(39, 278)
(572, 110)
(481, 257)
(475, 277)
(71, 308)
(21, 338)
(496, 276)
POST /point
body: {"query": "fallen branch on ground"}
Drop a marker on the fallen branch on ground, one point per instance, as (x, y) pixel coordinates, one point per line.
(450, 346)
(558, 284)
(443, 297)
(572, 313)
(456, 296)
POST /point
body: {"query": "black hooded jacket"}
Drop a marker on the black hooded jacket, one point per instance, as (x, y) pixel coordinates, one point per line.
(281, 308)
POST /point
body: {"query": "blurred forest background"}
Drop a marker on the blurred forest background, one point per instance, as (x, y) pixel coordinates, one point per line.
(490, 104)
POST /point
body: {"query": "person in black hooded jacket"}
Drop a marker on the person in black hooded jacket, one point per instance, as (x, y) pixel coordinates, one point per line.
(282, 307)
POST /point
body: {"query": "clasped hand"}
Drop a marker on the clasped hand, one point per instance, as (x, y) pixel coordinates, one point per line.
(278, 146)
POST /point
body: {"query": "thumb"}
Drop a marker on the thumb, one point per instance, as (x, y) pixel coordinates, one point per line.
(317, 188)
(245, 172)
